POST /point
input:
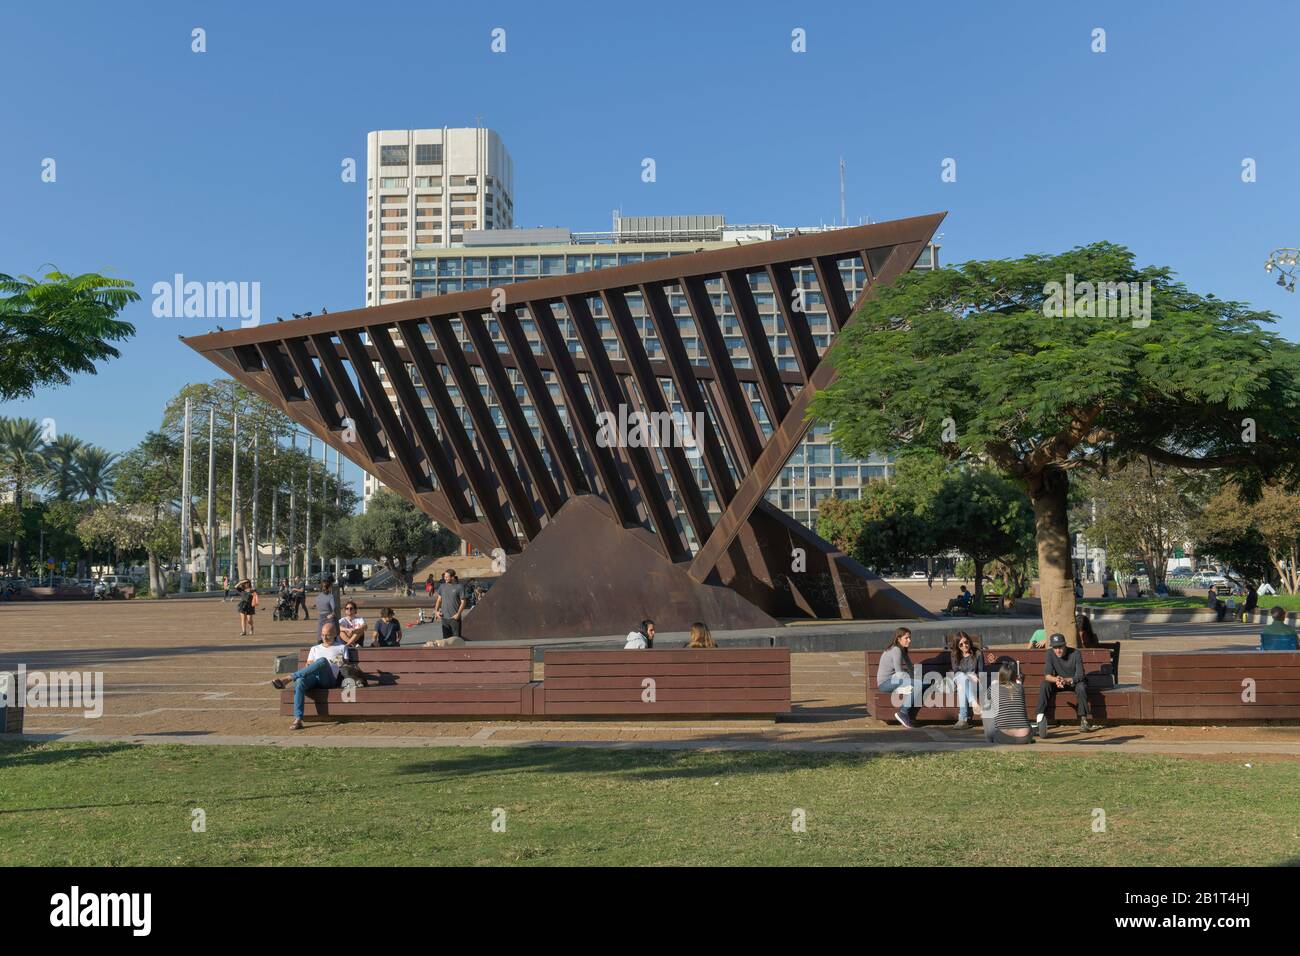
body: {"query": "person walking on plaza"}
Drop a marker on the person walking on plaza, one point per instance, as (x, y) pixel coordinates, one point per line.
(299, 600)
(895, 673)
(322, 670)
(450, 604)
(1062, 670)
(247, 595)
(327, 603)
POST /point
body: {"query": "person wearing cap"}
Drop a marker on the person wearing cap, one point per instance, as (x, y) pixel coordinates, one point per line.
(1062, 670)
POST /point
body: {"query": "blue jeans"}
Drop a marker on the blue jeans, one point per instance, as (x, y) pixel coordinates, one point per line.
(966, 685)
(316, 674)
(895, 682)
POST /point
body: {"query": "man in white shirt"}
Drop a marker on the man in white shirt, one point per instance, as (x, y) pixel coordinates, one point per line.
(322, 670)
(641, 639)
(352, 626)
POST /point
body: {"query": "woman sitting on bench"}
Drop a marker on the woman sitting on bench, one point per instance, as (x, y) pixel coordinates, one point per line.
(701, 639)
(895, 674)
(322, 670)
(1004, 718)
(966, 663)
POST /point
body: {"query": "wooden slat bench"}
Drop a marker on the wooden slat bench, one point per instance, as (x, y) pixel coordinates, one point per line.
(1209, 685)
(453, 682)
(725, 682)
(1107, 701)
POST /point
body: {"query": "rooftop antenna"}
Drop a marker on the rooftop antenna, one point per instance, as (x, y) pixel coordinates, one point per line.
(843, 220)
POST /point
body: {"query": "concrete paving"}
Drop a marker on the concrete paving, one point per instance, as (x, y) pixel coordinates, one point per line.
(179, 672)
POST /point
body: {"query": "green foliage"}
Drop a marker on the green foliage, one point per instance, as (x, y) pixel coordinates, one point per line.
(56, 326)
(396, 532)
(1025, 391)
(1260, 540)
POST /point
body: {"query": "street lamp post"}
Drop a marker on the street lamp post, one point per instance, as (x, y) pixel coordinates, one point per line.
(185, 501)
(234, 489)
(212, 499)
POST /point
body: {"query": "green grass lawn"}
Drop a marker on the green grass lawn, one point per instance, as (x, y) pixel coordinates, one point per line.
(90, 804)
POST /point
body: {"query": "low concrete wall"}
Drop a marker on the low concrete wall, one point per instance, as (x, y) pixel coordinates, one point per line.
(1178, 615)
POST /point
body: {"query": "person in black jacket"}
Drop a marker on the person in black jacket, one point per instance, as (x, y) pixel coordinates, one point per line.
(1062, 670)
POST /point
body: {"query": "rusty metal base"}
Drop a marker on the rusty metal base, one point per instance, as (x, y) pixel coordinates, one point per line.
(586, 576)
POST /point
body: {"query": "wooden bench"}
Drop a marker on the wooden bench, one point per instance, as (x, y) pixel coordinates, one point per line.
(725, 682)
(1209, 685)
(1107, 701)
(451, 682)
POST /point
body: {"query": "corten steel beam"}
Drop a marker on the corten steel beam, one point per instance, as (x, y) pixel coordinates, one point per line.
(274, 361)
(688, 389)
(652, 396)
(485, 429)
(791, 431)
(832, 289)
(301, 367)
(796, 321)
(770, 387)
(480, 482)
(580, 413)
(657, 503)
(352, 404)
(399, 446)
(735, 403)
(449, 480)
(321, 395)
(521, 434)
(548, 416)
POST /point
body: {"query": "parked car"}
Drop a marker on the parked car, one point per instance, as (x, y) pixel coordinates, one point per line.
(919, 576)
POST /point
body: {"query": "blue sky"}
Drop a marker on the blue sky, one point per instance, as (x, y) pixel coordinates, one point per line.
(225, 165)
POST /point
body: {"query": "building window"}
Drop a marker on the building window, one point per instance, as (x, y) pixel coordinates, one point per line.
(427, 182)
(579, 263)
(552, 265)
(502, 265)
(428, 154)
(392, 182)
(392, 155)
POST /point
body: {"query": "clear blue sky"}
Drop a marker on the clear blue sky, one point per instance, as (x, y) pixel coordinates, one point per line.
(225, 165)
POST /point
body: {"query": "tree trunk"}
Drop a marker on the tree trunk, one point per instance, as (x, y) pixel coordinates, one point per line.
(1049, 494)
(157, 583)
(978, 600)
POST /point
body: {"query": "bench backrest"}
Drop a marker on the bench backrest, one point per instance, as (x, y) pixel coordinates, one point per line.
(1170, 670)
(1096, 663)
(443, 665)
(758, 674)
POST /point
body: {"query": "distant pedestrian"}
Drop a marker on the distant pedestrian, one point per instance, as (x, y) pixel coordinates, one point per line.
(327, 604)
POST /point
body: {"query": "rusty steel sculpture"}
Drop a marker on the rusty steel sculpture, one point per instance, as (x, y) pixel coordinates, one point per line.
(593, 532)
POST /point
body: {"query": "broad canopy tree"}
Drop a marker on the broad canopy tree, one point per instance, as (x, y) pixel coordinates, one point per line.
(987, 362)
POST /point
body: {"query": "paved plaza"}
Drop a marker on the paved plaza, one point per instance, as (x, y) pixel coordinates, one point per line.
(178, 671)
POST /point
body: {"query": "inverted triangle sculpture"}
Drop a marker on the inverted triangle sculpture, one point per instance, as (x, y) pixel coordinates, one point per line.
(563, 479)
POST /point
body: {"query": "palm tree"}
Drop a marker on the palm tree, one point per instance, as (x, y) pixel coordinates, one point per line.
(22, 461)
(61, 466)
(93, 471)
(21, 454)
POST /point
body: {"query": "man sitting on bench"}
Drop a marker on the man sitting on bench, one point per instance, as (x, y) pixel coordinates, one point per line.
(1062, 670)
(960, 603)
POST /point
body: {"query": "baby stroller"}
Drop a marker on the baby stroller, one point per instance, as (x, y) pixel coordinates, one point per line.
(285, 608)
